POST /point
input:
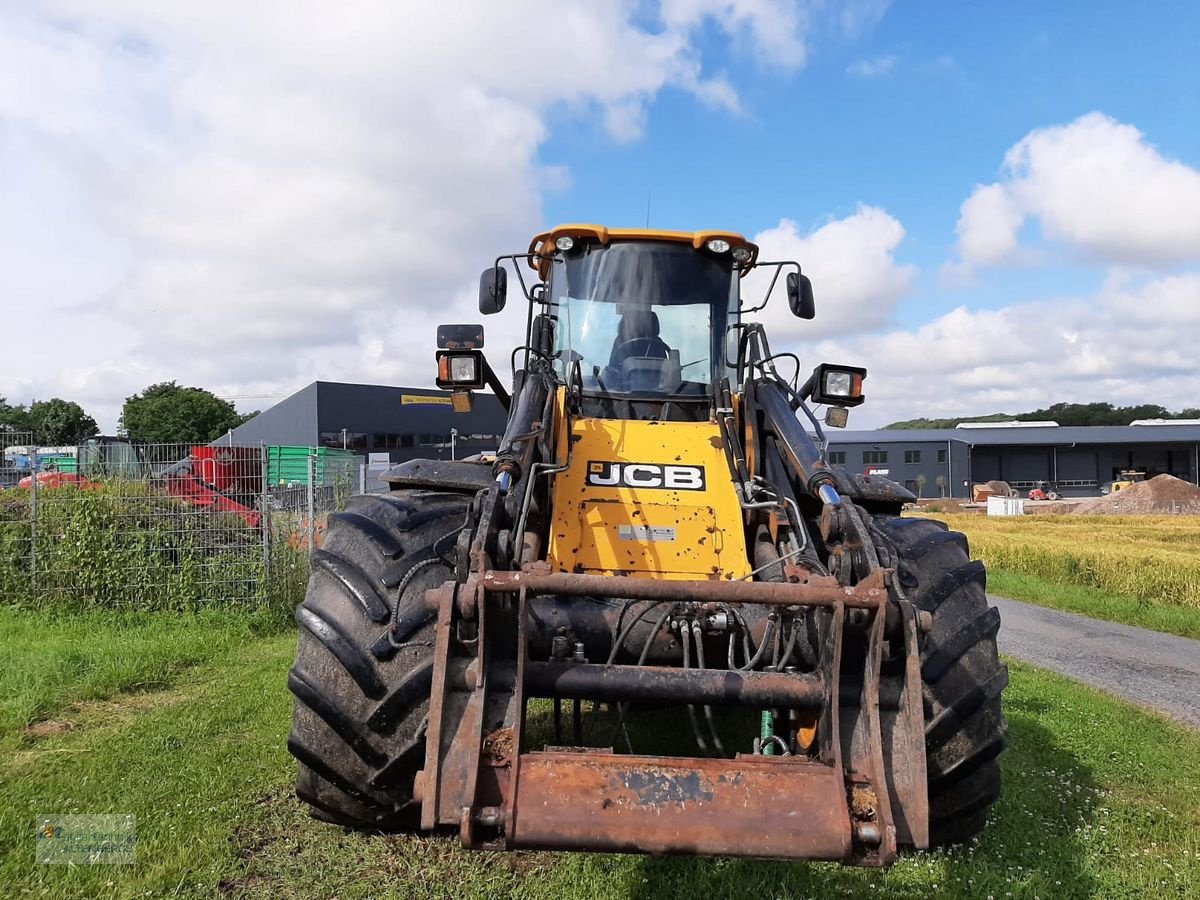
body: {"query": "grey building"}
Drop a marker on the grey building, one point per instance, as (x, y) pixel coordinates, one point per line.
(1077, 460)
(406, 423)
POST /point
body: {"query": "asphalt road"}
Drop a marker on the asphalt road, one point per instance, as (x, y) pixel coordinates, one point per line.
(1152, 669)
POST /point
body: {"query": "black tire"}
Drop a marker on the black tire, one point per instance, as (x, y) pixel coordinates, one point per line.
(962, 675)
(359, 716)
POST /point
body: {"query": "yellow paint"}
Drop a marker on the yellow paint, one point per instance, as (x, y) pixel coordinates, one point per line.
(424, 400)
(542, 244)
(647, 531)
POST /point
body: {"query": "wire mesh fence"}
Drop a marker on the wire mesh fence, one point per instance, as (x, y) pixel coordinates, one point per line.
(118, 524)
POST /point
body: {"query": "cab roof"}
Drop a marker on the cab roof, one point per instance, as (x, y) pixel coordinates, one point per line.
(542, 245)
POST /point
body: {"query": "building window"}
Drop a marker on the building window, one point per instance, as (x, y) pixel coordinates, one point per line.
(912, 456)
(874, 457)
(941, 456)
(837, 457)
(911, 487)
(406, 440)
(381, 441)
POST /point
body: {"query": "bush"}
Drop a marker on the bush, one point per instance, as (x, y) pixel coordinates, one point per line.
(130, 546)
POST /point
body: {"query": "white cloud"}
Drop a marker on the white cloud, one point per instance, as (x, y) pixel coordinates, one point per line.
(873, 68)
(856, 279)
(1095, 186)
(775, 29)
(1132, 342)
(858, 16)
(297, 192)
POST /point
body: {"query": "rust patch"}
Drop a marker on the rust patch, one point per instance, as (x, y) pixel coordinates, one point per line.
(651, 788)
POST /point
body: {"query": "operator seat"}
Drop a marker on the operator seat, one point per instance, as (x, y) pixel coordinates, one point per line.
(637, 335)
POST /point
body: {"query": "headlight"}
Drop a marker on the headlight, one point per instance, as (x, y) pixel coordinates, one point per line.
(564, 243)
(838, 384)
(718, 245)
(463, 368)
(460, 369)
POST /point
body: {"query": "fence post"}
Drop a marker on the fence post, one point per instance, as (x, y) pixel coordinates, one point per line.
(33, 515)
(265, 520)
(312, 510)
(362, 477)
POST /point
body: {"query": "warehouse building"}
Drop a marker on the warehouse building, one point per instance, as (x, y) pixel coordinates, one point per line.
(1078, 460)
(383, 424)
(387, 425)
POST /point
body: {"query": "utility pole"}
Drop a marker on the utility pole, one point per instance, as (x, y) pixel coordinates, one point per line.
(453, 442)
(343, 438)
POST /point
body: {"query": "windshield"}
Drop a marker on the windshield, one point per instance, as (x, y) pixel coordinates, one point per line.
(638, 316)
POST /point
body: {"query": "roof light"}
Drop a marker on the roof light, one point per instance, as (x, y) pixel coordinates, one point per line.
(564, 243)
(718, 245)
(741, 254)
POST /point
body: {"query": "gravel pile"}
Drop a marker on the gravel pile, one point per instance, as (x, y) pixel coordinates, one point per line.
(1161, 495)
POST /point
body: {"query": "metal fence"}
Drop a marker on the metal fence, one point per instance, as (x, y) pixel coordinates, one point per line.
(122, 525)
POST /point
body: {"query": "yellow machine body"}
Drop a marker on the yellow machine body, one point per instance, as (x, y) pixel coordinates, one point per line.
(646, 499)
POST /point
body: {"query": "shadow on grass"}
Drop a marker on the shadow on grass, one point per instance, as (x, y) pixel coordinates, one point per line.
(1028, 848)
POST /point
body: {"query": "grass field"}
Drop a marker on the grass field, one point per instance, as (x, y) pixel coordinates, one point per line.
(182, 724)
(1140, 570)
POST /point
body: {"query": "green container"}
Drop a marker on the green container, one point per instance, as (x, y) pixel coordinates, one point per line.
(59, 463)
(288, 465)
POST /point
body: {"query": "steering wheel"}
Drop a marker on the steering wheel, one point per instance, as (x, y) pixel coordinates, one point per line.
(655, 348)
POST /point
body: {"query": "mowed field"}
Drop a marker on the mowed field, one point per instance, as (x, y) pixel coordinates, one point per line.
(1141, 570)
(181, 720)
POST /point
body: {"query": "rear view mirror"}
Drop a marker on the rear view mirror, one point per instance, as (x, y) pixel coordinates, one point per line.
(493, 287)
(800, 296)
(460, 337)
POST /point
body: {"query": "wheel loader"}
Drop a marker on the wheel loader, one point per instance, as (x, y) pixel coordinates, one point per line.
(657, 621)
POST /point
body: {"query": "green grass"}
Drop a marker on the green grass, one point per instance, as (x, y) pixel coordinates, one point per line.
(1100, 799)
(1099, 604)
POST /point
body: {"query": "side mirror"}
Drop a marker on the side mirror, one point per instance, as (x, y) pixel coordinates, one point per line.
(800, 296)
(493, 288)
(541, 336)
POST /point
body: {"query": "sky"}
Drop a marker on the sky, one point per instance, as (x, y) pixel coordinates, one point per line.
(998, 204)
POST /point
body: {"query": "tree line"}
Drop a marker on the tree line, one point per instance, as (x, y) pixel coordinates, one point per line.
(1063, 414)
(163, 413)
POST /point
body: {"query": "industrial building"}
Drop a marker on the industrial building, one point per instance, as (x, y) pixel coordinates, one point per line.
(1078, 460)
(410, 423)
(374, 420)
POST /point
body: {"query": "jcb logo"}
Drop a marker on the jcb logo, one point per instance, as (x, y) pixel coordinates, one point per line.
(645, 475)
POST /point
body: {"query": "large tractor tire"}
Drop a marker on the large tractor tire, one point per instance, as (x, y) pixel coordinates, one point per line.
(362, 700)
(961, 673)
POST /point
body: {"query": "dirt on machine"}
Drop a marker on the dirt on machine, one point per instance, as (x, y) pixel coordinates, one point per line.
(658, 621)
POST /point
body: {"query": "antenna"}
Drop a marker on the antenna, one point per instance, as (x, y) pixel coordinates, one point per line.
(649, 191)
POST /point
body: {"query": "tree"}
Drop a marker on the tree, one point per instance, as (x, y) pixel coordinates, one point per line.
(14, 418)
(59, 421)
(166, 413)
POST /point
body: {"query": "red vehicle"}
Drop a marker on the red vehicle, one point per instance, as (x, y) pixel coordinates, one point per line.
(1044, 490)
(224, 479)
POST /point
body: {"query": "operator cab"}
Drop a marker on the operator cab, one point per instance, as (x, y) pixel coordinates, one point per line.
(637, 317)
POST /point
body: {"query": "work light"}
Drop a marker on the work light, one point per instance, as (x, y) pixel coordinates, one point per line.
(836, 385)
(461, 369)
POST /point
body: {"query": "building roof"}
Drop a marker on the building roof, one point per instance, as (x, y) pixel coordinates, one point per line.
(1055, 436)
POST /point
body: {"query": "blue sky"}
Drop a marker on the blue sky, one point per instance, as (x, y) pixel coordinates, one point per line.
(250, 199)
